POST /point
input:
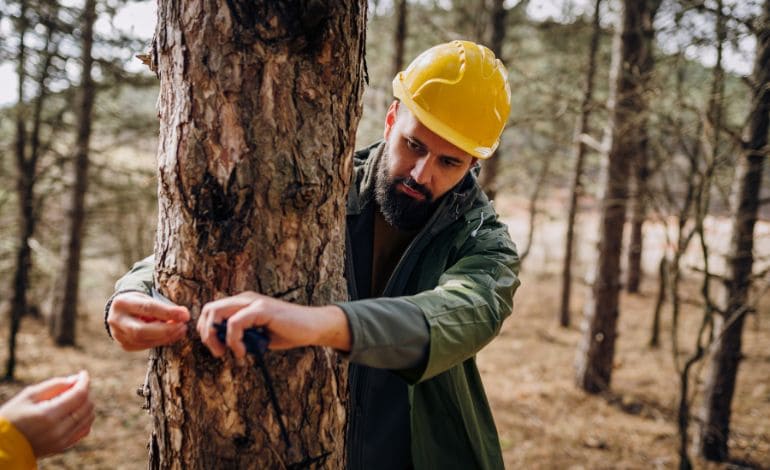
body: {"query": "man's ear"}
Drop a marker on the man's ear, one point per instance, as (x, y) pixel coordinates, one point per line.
(390, 118)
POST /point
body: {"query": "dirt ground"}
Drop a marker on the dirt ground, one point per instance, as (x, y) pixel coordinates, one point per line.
(543, 420)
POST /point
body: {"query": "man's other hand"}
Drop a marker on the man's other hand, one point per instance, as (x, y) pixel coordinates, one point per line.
(288, 325)
(137, 321)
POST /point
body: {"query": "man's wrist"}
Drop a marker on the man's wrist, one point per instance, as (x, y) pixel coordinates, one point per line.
(334, 330)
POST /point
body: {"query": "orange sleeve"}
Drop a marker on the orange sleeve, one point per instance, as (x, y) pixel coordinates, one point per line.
(15, 451)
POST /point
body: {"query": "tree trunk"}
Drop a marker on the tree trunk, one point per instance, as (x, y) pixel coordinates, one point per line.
(641, 163)
(720, 382)
(579, 150)
(27, 156)
(259, 102)
(399, 37)
(659, 301)
(488, 175)
(19, 298)
(64, 314)
(597, 348)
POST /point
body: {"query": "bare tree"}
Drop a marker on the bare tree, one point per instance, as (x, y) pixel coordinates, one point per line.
(28, 151)
(579, 149)
(720, 382)
(259, 102)
(399, 36)
(597, 347)
(498, 16)
(641, 170)
(65, 305)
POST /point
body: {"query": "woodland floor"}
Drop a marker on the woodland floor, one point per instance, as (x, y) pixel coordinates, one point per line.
(543, 420)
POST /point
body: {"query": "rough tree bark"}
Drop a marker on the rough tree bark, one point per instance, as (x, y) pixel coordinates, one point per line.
(499, 14)
(641, 166)
(597, 347)
(579, 149)
(259, 102)
(720, 381)
(64, 314)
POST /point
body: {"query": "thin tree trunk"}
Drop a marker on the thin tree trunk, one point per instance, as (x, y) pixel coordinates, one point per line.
(259, 102)
(710, 142)
(660, 300)
(19, 299)
(65, 304)
(533, 199)
(26, 165)
(579, 150)
(641, 164)
(490, 169)
(597, 347)
(720, 382)
(399, 37)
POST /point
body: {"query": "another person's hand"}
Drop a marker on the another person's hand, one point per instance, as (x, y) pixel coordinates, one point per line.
(137, 321)
(53, 415)
(288, 325)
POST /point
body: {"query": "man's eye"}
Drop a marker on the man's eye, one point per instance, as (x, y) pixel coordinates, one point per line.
(414, 146)
(450, 162)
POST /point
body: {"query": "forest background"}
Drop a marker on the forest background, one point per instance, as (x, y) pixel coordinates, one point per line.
(698, 101)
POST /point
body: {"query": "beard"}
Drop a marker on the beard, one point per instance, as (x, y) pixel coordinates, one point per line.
(399, 210)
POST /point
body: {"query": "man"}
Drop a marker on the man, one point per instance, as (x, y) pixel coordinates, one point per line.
(431, 274)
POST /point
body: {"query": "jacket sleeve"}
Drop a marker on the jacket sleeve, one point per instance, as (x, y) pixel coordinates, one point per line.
(138, 279)
(15, 450)
(463, 313)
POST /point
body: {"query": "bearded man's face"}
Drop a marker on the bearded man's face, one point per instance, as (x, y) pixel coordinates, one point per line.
(417, 169)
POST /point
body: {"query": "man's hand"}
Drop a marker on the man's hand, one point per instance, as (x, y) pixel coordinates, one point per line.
(53, 415)
(137, 321)
(288, 325)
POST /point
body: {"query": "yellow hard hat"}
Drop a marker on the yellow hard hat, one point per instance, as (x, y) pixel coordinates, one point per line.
(460, 91)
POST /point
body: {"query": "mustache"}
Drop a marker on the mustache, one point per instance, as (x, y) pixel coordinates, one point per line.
(410, 183)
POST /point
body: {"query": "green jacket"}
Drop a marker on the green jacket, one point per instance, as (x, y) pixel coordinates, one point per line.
(457, 278)
(446, 299)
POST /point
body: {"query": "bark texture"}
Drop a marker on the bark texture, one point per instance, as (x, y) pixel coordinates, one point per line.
(723, 370)
(64, 315)
(259, 102)
(579, 149)
(597, 347)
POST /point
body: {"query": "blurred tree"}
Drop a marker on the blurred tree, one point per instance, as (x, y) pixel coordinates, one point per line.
(399, 36)
(65, 305)
(29, 149)
(495, 41)
(724, 362)
(640, 164)
(597, 347)
(579, 149)
(258, 121)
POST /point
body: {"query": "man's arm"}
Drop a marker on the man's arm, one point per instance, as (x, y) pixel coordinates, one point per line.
(463, 313)
(137, 321)
(418, 336)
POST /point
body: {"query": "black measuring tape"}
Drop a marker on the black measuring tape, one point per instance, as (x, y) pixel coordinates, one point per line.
(256, 342)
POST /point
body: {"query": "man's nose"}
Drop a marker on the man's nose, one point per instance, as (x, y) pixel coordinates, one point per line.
(422, 172)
